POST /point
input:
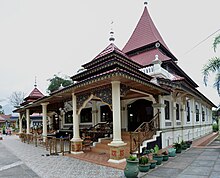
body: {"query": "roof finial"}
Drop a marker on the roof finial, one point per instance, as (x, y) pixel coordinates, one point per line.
(145, 3)
(112, 39)
(35, 82)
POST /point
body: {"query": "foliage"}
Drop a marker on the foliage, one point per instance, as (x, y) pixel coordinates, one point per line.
(213, 66)
(215, 127)
(57, 81)
(155, 150)
(16, 98)
(132, 158)
(216, 42)
(1, 110)
(177, 145)
(143, 160)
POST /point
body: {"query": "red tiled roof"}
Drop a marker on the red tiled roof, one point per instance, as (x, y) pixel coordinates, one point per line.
(144, 34)
(2, 116)
(109, 49)
(147, 57)
(36, 93)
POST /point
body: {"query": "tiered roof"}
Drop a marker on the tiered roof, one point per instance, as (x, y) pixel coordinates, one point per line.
(34, 95)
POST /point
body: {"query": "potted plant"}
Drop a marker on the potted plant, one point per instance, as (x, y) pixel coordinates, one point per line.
(178, 147)
(188, 143)
(156, 155)
(165, 155)
(184, 145)
(131, 170)
(172, 152)
(153, 163)
(143, 165)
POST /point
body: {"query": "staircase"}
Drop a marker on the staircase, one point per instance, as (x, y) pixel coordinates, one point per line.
(102, 147)
(144, 134)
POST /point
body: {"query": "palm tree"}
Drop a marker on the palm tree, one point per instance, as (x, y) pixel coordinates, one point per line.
(213, 66)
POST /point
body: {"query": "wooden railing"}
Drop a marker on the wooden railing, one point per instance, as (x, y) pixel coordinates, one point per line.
(58, 145)
(97, 131)
(52, 144)
(144, 132)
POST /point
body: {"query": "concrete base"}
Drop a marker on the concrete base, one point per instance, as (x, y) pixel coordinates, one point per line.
(117, 152)
(76, 146)
(76, 153)
(116, 161)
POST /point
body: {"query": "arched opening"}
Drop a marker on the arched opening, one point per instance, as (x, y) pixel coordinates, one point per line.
(138, 112)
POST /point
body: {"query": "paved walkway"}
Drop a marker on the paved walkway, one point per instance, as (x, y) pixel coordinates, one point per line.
(12, 166)
(55, 166)
(196, 162)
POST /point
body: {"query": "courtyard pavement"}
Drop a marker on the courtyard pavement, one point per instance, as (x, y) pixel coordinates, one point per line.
(26, 160)
(50, 166)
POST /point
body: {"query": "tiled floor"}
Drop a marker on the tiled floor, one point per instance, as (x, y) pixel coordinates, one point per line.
(102, 159)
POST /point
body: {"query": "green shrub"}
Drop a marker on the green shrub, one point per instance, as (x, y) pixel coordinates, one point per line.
(143, 160)
(132, 158)
(215, 127)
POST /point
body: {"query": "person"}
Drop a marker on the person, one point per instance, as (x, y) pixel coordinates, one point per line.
(8, 132)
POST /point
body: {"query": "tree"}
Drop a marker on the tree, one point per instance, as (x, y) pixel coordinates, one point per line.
(1, 110)
(213, 66)
(16, 98)
(57, 81)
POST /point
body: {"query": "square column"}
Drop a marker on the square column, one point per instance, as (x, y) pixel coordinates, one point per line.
(117, 146)
(44, 109)
(28, 121)
(76, 141)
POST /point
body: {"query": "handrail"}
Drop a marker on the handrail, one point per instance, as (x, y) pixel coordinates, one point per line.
(145, 123)
(145, 131)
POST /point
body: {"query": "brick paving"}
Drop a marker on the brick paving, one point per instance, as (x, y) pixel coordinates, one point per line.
(56, 166)
(199, 161)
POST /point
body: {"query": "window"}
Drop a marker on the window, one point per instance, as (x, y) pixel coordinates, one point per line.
(177, 112)
(203, 115)
(167, 109)
(69, 117)
(188, 111)
(207, 114)
(86, 115)
(197, 113)
(106, 113)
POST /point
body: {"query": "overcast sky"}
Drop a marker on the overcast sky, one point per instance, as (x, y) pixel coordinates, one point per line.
(41, 38)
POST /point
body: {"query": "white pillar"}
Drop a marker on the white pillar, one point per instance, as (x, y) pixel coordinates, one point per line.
(20, 122)
(174, 114)
(162, 112)
(94, 113)
(44, 109)
(76, 136)
(193, 117)
(28, 121)
(116, 107)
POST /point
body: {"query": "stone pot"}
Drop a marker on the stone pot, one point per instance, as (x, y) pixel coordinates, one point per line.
(131, 170)
(153, 164)
(159, 158)
(144, 167)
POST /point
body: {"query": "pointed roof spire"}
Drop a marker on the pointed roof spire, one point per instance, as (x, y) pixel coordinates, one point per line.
(144, 34)
(35, 82)
(145, 3)
(112, 39)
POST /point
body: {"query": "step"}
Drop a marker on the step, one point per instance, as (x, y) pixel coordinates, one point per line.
(103, 146)
(100, 150)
